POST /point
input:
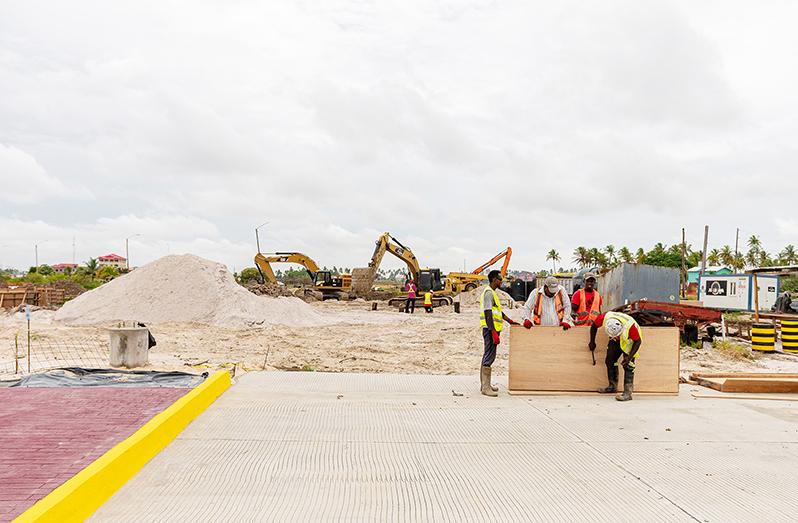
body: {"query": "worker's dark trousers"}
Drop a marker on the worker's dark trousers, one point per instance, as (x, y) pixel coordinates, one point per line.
(428, 308)
(410, 304)
(490, 348)
(613, 353)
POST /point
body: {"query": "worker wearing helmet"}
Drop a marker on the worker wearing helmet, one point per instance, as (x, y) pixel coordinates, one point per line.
(624, 334)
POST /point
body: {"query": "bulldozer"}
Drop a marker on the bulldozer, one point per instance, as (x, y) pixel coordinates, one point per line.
(463, 281)
(424, 279)
(330, 286)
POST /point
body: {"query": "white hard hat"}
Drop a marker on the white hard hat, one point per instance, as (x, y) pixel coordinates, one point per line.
(614, 327)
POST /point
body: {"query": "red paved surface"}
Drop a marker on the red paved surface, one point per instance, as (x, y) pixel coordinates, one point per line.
(47, 435)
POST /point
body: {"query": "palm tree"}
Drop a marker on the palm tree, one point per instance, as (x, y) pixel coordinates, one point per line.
(788, 256)
(750, 258)
(726, 256)
(626, 255)
(658, 249)
(554, 257)
(580, 257)
(610, 251)
(593, 255)
(640, 256)
(754, 243)
(713, 258)
(763, 259)
(92, 266)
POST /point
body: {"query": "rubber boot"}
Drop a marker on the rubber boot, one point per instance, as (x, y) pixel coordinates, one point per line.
(628, 386)
(612, 376)
(484, 376)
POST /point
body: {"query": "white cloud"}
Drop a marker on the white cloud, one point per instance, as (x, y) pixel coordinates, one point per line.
(24, 181)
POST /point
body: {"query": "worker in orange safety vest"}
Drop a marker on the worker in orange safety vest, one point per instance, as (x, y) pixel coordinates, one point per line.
(548, 305)
(586, 302)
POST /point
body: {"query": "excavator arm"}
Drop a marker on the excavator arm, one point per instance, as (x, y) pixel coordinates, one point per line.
(264, 263)
(504, 254)
(387, 243)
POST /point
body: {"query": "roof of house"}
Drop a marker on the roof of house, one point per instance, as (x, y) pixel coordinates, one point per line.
(111, 257)
(711, 268)
(60, 265)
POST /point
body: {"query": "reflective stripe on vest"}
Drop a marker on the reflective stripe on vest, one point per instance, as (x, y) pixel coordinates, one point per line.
(496, 311)
(628, 322)
(539, 306)
(428, 299)
(584, 316)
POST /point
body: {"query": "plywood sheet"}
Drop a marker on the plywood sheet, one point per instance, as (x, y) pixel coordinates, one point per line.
(550, 359)
(749, 382)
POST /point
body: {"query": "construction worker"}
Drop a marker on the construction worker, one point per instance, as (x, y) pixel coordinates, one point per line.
(548, 305)
(410, 304)
(428, 301)
(624, 334)
(491, 318)
(586, 302)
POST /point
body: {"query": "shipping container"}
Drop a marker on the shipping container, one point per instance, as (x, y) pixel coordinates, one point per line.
(630, 282)
(734, 291)
(567, 282)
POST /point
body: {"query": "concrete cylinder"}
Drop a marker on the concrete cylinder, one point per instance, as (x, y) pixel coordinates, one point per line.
(129, 346)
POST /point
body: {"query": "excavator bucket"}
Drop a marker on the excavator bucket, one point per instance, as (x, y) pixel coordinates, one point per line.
(362, 280)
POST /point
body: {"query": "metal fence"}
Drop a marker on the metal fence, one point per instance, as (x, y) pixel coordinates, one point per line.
(54, 354)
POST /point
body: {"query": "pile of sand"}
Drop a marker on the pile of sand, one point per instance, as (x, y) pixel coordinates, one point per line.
(470, 299)
(70, 288)
(185, 288)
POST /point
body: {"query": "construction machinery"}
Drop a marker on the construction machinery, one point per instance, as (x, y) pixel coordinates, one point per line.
(424, 279)
(463, 281)
(323, 281)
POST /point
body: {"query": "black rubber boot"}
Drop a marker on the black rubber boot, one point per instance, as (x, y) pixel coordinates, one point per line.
(628, 386)
(612, 375)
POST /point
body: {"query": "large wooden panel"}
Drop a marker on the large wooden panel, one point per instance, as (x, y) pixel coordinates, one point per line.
(550, 359)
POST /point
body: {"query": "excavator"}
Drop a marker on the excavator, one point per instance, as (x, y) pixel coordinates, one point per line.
(424, 279)
(330, 286)
(470, 281)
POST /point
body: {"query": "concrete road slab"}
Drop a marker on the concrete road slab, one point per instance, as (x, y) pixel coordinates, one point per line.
(356, 447)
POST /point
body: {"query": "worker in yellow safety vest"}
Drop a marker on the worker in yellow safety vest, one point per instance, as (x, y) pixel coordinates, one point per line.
(428, 301)
(548, 305)
(586, 302)
(624, 339)
(491, 318)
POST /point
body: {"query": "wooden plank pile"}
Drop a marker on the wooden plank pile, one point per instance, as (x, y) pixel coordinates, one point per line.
(550, 359)
(38, 296)
(748, 382)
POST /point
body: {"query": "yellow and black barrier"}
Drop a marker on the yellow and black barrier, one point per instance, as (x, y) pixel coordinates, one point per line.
(763, 337)
(789, 335)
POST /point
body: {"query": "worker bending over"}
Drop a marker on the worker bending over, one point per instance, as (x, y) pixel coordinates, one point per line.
(586, 302)
(491, 318)
(624, 334)
(548, 305)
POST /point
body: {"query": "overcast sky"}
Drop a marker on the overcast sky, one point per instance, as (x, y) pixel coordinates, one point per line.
(460, 127)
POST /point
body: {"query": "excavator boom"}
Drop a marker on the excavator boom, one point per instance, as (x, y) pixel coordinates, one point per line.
(264, 263)
(504, 254)
(387, 243)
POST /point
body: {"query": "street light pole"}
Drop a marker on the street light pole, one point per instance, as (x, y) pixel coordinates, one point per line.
(36, 248)
(257, 240)
(127, 251)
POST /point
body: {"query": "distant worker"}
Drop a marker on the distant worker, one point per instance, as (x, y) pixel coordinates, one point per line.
(586, 302)
(411, 297)
(548, 305)
(783, 303)
(491, 318)
(428, 301)
(624, 334)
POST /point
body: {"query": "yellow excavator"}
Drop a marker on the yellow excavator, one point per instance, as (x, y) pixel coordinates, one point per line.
(463, 281)
(424, 279)
(330, 286)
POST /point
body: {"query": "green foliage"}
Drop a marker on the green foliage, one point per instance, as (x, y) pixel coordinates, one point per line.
(250, 274)
(789, 283)
(733, 316)
(733, 350)
(664, 259)
(108, 273)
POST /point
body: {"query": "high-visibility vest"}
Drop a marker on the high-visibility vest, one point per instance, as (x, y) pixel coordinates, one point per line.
(539, 306)
(628, 322)
(428, 299)
(584, 316)
(411, 290)
(496, 310)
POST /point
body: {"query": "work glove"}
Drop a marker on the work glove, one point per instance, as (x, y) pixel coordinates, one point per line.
(495, 337)
(511, 322)
(527, 324)
(564, 326)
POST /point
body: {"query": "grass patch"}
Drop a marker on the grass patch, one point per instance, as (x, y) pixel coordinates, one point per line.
(733, 316)
(307, 368)
(733, 350)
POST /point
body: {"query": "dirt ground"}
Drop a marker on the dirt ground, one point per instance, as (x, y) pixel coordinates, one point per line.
(362, 340)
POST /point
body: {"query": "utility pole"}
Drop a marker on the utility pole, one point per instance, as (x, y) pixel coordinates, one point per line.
(257, 240)
(36, 248)
(736, 241)
(704, 259)
(684, 268)
(127, 251)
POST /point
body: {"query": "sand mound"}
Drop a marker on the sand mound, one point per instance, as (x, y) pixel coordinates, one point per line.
(185, 288)
(470, 299)
(70, 288)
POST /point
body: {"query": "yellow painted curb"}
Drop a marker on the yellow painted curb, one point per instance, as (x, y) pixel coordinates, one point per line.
(80, 496)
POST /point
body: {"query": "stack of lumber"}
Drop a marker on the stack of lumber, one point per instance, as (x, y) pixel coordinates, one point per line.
(748, 382)
(550, 359)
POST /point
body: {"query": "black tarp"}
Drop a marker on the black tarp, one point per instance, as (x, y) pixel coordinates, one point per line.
(79, 377)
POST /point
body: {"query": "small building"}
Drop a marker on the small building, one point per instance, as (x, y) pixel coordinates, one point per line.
(692, 274)
(734, 291)
(112, 260)
(61, 268)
